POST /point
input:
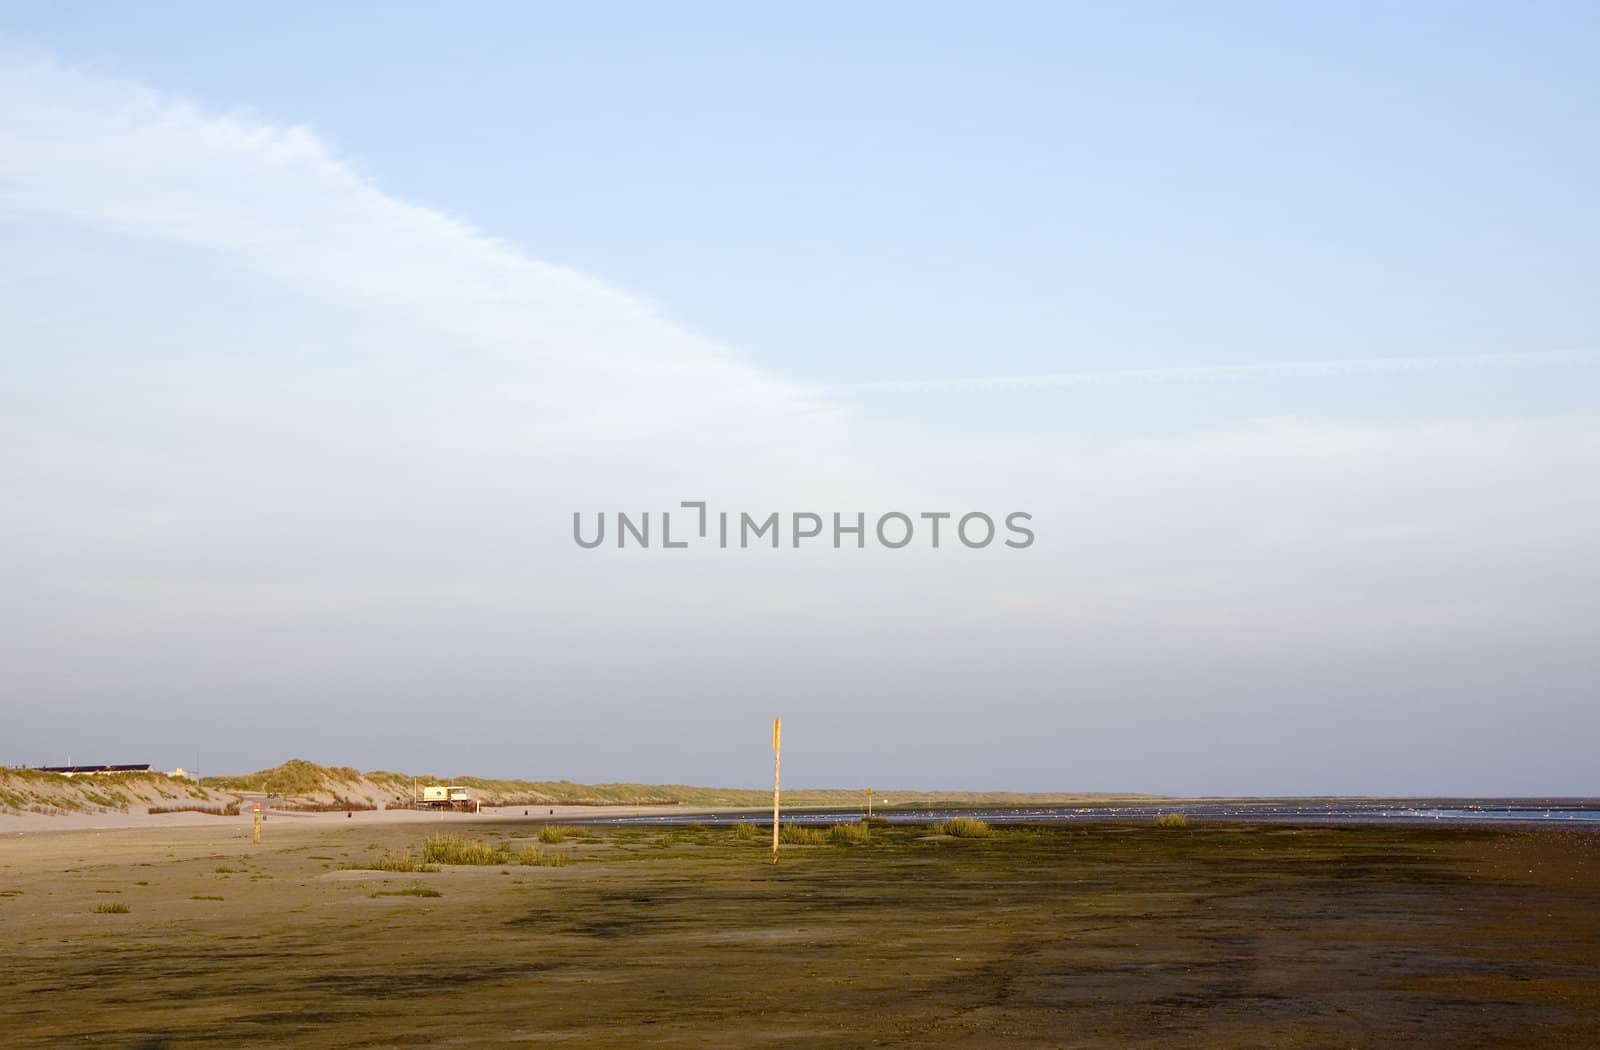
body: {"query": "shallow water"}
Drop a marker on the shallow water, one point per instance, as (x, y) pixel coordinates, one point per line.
(1321, 811)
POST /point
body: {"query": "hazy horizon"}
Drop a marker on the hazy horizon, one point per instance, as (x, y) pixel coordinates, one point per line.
(1279, 324)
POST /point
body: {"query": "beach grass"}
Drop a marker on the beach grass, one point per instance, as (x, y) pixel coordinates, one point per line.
(799, 835)
(454, 849)
(395, 861)
(849, 834)
(962, 828)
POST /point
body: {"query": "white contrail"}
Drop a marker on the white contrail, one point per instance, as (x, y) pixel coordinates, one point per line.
(1222, 373)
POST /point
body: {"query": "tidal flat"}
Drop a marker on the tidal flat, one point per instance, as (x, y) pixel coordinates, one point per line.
(1102, 935)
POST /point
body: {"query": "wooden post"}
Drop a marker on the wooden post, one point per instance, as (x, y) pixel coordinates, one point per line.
(258, 821)
(869, 804)
(777, 765)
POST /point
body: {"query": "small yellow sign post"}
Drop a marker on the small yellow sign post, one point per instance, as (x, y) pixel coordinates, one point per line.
(777, 765)
(258, 821)
(869, 803)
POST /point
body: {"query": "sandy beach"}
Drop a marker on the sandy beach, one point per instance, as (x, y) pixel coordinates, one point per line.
(1095, 936)
(31, 824)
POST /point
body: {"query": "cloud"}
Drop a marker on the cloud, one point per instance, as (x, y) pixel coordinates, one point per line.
(591, 365)
(277, 441)
(1233, 373)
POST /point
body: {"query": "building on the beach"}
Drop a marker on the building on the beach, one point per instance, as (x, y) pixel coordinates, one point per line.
(89, 771)
(445, 795)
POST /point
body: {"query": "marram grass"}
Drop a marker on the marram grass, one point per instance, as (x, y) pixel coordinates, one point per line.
(397, 862)
(453, 849)
(534, 857)
(962, 828)
(849, 834)
(798, 835)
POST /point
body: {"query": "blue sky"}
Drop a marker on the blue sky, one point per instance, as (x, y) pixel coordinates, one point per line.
(918, 190)
(298, 267)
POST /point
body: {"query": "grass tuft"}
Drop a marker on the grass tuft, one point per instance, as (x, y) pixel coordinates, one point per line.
(403, 862)
(849, 835)
(453, 849)
(1172, 820)
(111, 908)
(534, 857)
(798, 835)
(962, 828)
(553, 833)
(746, 832)
(205, 897)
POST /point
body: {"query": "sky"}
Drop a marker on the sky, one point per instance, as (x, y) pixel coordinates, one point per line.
(317, 327)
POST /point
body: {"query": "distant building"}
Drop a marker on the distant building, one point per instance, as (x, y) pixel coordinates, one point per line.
(181, 774)
(446, 795)
(89, 771)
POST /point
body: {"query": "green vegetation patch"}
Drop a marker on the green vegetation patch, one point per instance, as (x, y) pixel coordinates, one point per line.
(453, 849)
(534, 857)
(294, 777)
(403, 863)
(849, 834)
(962, 828)
(798, 835)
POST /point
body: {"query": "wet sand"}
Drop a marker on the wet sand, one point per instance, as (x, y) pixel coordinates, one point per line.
(1107, 935)
(134, 818)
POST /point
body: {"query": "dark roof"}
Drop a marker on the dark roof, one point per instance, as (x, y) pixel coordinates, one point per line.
(97, 769)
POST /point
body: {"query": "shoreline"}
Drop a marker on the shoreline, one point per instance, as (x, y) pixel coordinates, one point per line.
(1279, 811)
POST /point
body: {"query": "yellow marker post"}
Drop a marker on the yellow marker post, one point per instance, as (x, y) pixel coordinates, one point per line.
(258, 821)
(777, 765)
(869, 803)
